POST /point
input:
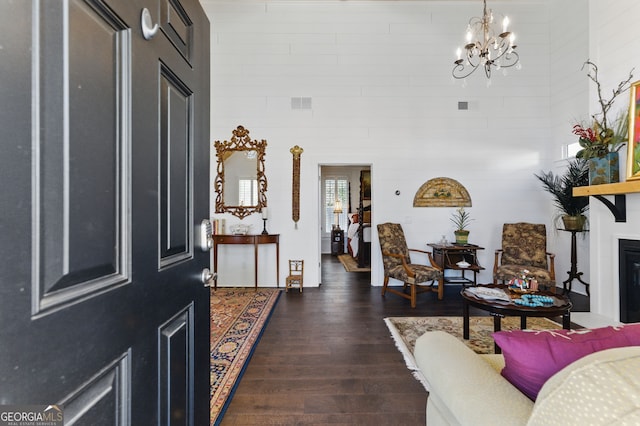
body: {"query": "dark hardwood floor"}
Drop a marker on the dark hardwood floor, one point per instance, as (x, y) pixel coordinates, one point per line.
(326, 357)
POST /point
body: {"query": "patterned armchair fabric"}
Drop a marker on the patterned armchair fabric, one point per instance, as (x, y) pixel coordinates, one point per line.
(397, 264)
(524, 246)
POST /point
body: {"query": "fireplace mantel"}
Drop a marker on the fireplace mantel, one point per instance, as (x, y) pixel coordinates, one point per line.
(618, 190)
(609, 188)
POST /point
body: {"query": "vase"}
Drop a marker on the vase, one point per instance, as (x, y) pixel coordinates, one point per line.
(604, 169)
(462, 236)
(574, 223)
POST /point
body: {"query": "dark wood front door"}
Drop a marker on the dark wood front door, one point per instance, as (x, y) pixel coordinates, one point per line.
(104, 173)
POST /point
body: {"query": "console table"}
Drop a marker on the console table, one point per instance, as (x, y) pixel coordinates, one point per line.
(254, 240)
(448, 255)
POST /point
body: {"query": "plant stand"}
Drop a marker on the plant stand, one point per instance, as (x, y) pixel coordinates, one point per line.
(573, 273)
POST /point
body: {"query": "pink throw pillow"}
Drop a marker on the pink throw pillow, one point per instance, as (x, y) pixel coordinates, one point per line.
(533, 356)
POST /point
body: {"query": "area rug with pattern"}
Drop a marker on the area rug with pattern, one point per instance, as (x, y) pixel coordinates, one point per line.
(350, 264)
(405, 331)
(238, 319)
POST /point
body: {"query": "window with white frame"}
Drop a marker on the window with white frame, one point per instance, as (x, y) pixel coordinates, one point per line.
(335, 188)
(248, 192)
(572, 149)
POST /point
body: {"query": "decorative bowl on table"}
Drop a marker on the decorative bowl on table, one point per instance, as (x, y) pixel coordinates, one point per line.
(463, 264)
(240, 229)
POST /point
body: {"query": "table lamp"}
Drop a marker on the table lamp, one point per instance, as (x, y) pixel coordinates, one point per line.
(337, 209)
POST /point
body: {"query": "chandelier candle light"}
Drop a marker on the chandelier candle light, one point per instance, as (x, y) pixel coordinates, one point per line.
(491, 48)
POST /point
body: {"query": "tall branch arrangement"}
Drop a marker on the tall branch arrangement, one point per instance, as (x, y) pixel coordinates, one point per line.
(605, 135)
(605, 105)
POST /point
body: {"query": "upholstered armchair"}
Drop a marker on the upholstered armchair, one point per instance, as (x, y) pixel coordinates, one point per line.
(397, 264)
(524, 246)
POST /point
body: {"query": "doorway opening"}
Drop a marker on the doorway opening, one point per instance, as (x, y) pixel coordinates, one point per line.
(345, 213)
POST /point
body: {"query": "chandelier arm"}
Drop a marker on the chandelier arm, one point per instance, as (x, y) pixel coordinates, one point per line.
(474, 60)
(511, 57)
(460, 71)
(465, 67)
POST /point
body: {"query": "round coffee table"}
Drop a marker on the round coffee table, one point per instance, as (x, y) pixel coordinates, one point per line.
(502, 308)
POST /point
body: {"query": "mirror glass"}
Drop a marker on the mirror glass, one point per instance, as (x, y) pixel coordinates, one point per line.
(240, 184)
(240, 179)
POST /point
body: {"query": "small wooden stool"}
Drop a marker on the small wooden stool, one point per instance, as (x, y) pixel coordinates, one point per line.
(296, 268)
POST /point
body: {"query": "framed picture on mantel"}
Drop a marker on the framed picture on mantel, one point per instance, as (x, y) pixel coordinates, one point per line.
(633, 148)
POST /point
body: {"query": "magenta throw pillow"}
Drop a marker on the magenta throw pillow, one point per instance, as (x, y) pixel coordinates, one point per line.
(533, 356)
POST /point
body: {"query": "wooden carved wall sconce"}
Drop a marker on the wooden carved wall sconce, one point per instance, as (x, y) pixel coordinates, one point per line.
(295, 192)
(442, 192)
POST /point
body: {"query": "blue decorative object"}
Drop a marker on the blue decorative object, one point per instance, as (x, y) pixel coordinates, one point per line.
(533, 300)
(604, 169)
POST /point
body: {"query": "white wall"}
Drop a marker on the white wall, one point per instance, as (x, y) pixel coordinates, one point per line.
(379, 75)
(615, 49)
(569, 87)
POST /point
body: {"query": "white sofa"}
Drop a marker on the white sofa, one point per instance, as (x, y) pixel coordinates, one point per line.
(467, 389)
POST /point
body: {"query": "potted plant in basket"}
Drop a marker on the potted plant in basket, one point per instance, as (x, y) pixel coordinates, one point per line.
(601, 141)
(571, 209)
(461, 220)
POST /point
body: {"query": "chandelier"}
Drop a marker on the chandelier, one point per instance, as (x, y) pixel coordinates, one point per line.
(493, 49)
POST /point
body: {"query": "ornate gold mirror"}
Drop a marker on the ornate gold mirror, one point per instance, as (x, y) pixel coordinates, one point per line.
(240, 184)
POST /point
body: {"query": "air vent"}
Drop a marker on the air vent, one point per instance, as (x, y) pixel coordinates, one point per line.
(301, 103)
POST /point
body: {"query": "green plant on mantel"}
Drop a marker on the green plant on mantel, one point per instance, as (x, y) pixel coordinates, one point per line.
(604, 135)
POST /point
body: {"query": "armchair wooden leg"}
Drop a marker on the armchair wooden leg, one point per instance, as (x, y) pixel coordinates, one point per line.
(413, 295)
(441, 289)
(385, 284)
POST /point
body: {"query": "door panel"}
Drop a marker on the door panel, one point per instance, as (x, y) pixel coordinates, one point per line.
(175, 168)
(81, 242)
(104, 399)
(178, 26)
(107, 156)
(176, 347)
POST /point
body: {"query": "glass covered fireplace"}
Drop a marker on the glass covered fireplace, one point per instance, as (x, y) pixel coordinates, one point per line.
(629, 251)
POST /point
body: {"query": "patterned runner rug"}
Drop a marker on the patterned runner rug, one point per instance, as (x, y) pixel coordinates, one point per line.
(238, 318)
(405, 331)
(350, 264)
